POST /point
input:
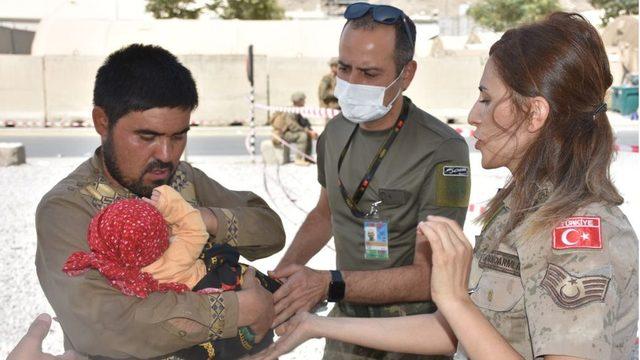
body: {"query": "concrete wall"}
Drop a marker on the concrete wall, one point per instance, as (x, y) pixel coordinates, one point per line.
(449, 96)
(444, 86)
(287, 75)
(223, 87)
(69, 86)
(21, 87)
(447, 87)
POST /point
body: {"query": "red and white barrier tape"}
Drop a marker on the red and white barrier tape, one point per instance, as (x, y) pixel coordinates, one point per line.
(199, 122)
(476, 209)
(626, 148)
(42, 124)
(294, 148)
(74, 123)
(23, 123)
(464, 132)
(307, 111)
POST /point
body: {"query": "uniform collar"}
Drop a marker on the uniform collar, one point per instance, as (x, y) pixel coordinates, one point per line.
(542, 194)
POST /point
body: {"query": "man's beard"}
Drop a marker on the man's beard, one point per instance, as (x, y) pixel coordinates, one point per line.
(136, 186)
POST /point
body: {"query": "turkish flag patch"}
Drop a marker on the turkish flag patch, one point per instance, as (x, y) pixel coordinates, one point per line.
(578, 232)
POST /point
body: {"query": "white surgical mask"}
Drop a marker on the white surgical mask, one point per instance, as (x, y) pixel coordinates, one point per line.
(363, 103)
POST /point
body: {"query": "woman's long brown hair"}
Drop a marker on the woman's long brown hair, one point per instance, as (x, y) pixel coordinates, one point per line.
(563, 60)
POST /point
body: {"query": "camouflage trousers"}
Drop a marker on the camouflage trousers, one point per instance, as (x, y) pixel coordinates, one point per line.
(336, 350)
(301, 139)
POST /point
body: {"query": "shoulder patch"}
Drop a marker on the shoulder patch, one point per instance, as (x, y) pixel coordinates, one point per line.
(578, 232)
(455, 171)
(569, 291)
(452, 185)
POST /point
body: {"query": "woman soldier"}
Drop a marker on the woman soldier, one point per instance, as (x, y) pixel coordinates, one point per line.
(554, 273)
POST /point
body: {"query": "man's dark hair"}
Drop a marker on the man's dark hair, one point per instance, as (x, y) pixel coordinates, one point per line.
(404, 47)
(140, 77)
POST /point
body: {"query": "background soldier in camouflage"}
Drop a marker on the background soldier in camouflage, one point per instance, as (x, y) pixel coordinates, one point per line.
(327, 85)
(554, 273)
(295, 129)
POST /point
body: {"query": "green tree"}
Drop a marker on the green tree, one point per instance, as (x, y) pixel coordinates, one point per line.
(615, 8)
(500, 15)
(252, 10)
(226, 9)
(168, 9)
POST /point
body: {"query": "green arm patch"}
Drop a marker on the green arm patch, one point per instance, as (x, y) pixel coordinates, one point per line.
(453, 184)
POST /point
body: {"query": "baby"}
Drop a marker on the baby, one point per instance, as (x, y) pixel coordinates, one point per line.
(160, 244)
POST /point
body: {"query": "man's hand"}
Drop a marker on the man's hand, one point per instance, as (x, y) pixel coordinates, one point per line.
(30, 346)
(303, 288)
(255, 306)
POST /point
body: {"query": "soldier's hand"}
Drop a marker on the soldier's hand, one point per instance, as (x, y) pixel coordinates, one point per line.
(451, 255)
(255, 305)
(30, 346)
(312, 134)
(303, 289)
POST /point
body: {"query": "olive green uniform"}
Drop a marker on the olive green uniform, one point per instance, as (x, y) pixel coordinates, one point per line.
(549, 300)
(410, 182)
(325, 92)
(98, 319)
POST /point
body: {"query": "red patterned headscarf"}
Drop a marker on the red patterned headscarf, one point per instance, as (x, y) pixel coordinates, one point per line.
(125, 237)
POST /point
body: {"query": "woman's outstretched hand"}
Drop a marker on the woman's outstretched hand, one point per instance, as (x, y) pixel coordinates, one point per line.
(451, 255)
(292, 333)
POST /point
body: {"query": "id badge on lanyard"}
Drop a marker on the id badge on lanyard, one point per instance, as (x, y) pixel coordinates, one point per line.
(376, 229)
(376, 235)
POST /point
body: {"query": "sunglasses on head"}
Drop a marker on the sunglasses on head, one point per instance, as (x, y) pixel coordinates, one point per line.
(384, 14)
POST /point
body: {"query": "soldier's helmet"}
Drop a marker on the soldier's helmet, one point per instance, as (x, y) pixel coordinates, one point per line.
(297, 96)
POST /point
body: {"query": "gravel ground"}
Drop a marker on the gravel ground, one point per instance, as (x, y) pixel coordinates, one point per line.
(24, 186)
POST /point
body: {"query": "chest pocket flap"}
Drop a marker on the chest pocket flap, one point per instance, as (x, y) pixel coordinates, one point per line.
(497, 291)
(393, 197)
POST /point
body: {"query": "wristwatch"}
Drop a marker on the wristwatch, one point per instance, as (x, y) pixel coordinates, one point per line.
(336, 287)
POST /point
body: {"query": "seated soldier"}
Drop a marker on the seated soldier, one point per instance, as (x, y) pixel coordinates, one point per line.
(295, 129)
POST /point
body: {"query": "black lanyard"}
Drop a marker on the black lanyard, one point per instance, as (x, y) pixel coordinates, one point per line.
(352, 201)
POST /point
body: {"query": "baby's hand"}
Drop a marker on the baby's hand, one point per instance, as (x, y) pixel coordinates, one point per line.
(155, 198)
(169, 203)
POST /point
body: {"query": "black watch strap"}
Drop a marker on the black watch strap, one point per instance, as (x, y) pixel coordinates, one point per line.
(336, 287)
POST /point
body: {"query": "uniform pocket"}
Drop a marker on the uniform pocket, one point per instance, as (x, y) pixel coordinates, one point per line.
(393, 197)
(497, 291)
